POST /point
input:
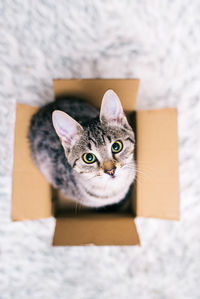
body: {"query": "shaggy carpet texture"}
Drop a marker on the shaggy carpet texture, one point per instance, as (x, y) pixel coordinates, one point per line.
(156, 41)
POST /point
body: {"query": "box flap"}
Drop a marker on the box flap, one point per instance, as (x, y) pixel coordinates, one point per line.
(97, 229)
(31, 194)
(94, 89)
(157, 163)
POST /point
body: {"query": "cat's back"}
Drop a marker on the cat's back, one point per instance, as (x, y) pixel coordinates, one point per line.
(77, 108)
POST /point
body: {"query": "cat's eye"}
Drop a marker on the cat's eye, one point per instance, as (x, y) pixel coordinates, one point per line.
(117, 146)
(89, 158)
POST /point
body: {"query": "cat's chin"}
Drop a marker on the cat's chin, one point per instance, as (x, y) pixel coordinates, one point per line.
(101, 190)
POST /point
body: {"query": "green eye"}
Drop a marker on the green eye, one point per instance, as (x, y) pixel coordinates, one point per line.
(117, 147)
(89, 158)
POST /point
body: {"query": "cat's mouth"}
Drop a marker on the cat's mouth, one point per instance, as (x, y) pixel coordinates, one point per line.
(111, 171)
(112, 176)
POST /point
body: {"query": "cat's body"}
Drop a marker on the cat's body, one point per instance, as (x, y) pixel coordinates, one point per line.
(100, 183)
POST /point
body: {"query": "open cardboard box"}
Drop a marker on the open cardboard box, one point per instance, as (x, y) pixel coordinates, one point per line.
(156, 190)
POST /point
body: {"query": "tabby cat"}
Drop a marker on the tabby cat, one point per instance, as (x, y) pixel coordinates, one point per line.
(88, 155)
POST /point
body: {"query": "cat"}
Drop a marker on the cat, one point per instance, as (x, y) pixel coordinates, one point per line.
(85, 153)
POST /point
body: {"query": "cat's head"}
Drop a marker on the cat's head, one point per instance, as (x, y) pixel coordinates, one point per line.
(101, 150)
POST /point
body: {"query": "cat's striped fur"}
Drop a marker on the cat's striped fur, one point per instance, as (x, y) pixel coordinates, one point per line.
(57, 149)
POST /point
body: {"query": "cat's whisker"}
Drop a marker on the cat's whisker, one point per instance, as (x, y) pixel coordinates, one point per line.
(138, 181)
(138, 171)
(136, 177)
(145, 175)
(145, 169)
(144, 165)
(91, 178)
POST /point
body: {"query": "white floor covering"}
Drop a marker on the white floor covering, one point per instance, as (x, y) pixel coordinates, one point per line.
(156, 41)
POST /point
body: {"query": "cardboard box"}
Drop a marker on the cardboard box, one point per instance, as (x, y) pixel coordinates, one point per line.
(156, 189)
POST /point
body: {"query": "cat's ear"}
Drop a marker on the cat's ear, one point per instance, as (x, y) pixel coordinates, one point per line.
(111, 109)
(66, 127)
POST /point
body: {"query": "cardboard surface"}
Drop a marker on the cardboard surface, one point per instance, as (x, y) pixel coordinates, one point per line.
(98, 229)
(94, 89)
(31, 194)
(157, 163)
(156, 193)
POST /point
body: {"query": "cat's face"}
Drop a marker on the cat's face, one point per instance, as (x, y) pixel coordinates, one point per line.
(102, 152)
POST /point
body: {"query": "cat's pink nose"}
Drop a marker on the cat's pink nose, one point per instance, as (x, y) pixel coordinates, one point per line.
(110, 171)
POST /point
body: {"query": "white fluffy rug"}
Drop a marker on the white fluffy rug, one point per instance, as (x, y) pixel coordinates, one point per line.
(156, 41)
